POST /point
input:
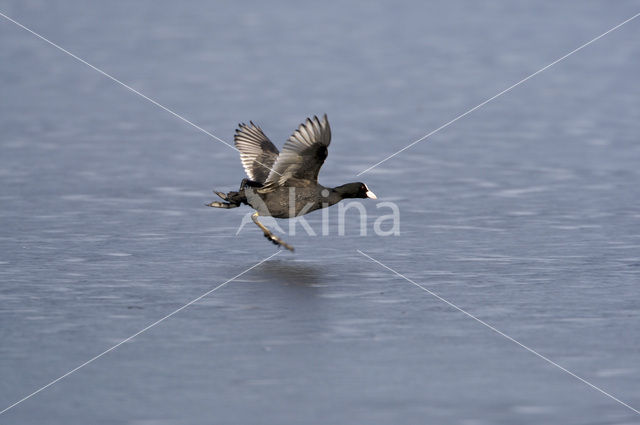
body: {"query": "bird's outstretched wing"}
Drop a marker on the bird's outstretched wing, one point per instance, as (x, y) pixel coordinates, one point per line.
(302, 155)
(257, 153)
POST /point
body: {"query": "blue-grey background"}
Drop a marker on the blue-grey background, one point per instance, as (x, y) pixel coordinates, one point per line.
(526, 213)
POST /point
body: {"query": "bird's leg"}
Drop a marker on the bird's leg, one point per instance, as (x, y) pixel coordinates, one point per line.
(224, 197)
(267, 233)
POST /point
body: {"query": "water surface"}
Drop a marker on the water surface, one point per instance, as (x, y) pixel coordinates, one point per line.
(525, 213)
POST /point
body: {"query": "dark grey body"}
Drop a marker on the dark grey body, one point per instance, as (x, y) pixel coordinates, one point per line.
(289, 201)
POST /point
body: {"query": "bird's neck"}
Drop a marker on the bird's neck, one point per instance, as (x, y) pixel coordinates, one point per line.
(337, 194)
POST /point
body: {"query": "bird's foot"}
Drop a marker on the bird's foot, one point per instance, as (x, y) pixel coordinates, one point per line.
(222, 195)
(216, 204)
(277, 241)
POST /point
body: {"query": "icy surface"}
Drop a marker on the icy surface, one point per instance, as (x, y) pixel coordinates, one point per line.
(526, 213)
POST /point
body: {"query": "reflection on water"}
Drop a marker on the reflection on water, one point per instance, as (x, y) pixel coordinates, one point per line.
(292, 273)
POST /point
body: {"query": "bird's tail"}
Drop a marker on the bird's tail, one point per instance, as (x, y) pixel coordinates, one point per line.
(236, 197)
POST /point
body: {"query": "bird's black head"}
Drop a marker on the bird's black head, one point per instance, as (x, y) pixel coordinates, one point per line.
(355, 190)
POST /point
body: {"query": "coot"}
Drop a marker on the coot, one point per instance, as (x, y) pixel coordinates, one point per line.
(285, 184)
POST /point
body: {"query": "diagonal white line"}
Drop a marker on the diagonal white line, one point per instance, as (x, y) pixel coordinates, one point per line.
(114, 79)
(500, 94)
(482, 322)
(136, 334)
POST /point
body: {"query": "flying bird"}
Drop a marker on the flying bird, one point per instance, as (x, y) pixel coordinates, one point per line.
(285, 184)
